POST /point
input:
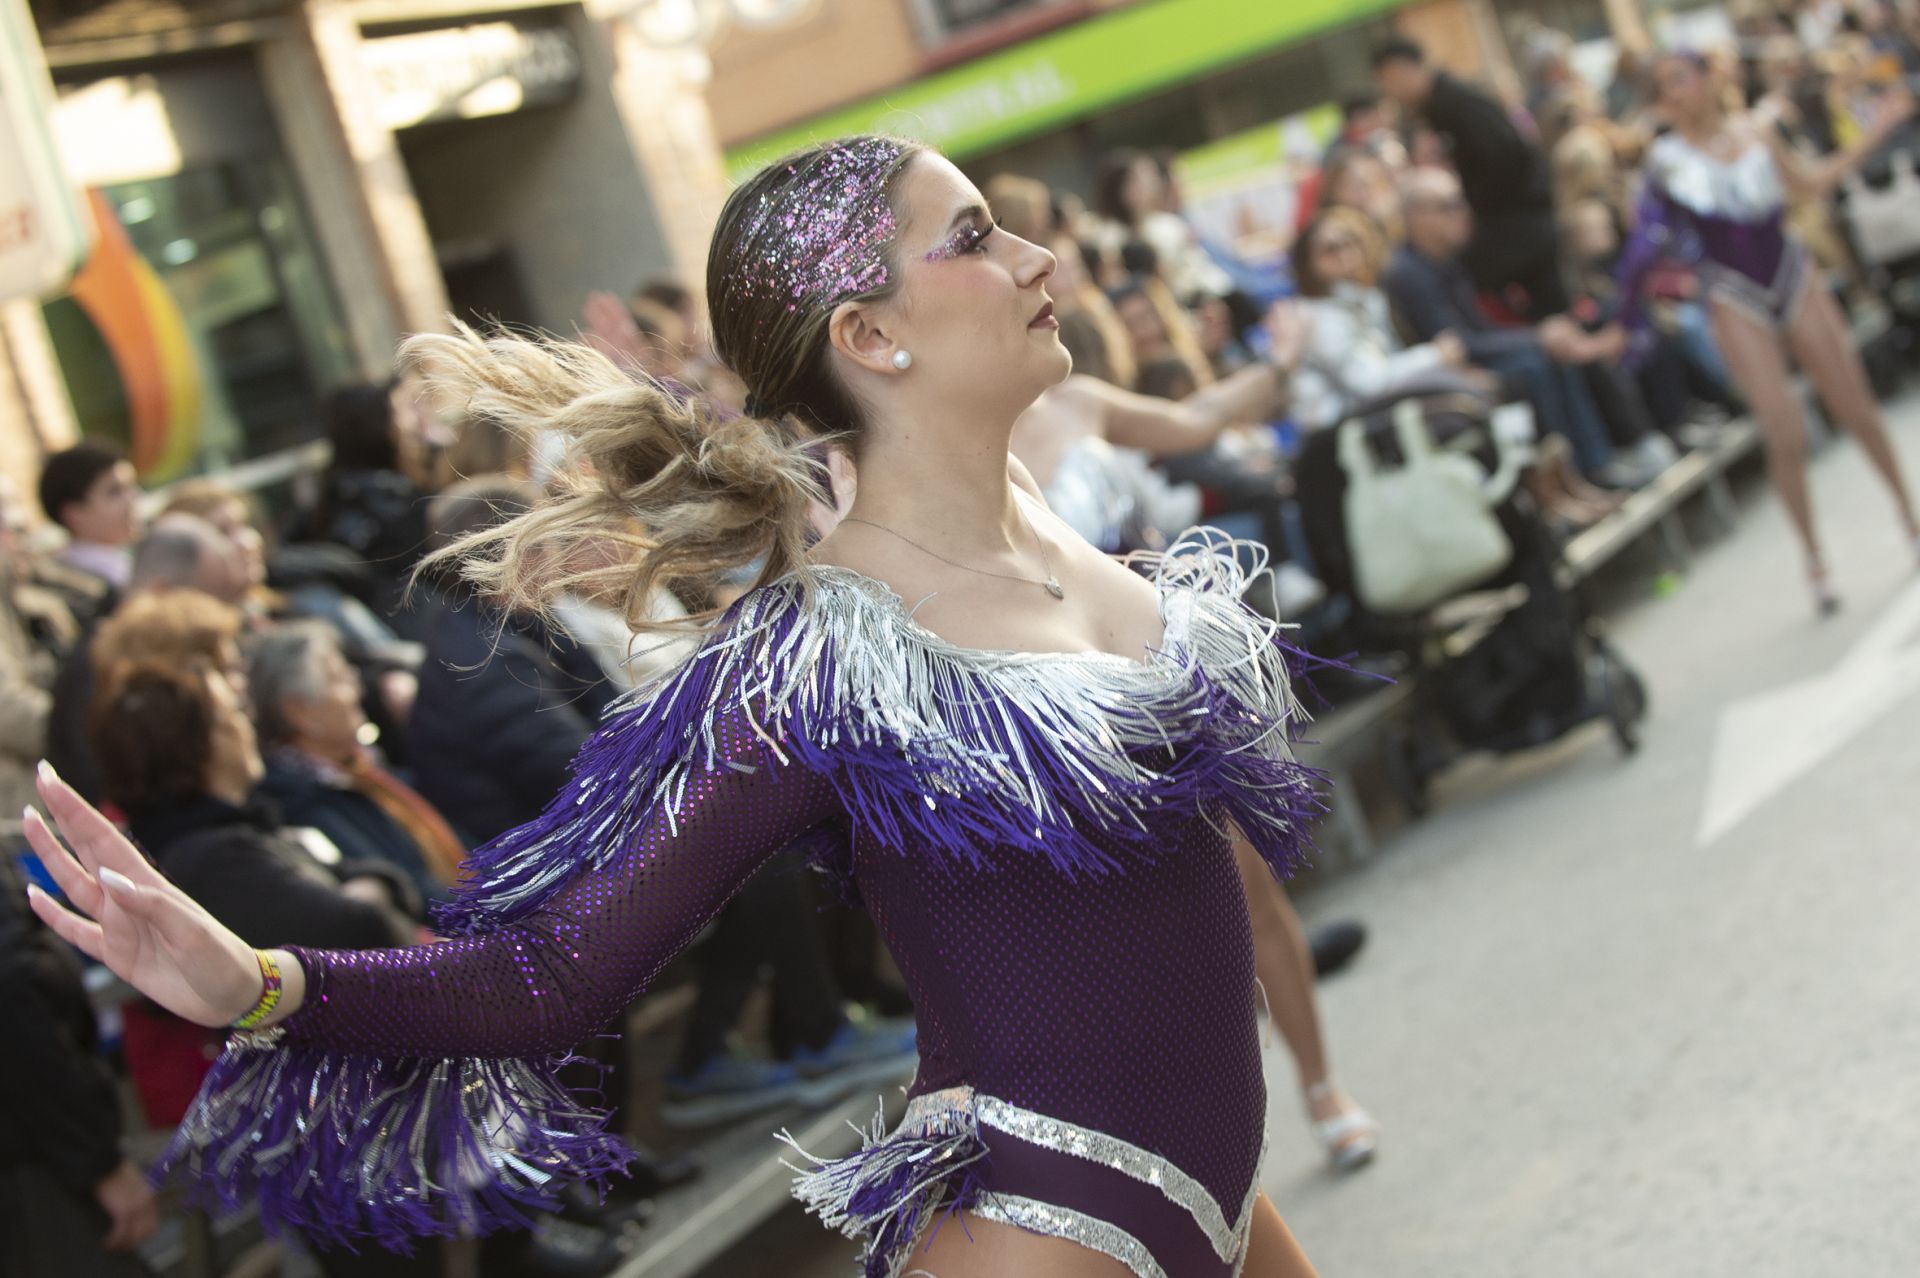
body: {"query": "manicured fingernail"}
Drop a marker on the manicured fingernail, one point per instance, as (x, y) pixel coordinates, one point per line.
(47, 775)
(117, 881)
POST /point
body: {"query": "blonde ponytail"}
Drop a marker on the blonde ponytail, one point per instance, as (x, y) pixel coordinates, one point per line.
(656, 491)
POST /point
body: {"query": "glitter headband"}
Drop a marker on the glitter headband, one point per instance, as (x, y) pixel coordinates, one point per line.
(824, 236)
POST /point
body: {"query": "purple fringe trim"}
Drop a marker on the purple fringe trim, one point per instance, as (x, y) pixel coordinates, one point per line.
(344, 1148)
(887, 1193)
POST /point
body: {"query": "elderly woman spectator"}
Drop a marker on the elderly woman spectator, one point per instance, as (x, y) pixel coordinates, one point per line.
(185, 579)
(307, 710)
(179, 756)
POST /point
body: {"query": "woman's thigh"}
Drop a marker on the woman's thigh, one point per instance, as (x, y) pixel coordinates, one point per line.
(1757, 360)
(968, 1247)
(1272, 1251)
(1823, 343)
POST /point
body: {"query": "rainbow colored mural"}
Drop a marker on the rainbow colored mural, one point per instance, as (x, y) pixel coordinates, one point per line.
(128, 356)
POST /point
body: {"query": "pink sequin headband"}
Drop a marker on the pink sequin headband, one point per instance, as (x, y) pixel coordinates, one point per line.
(824, 237)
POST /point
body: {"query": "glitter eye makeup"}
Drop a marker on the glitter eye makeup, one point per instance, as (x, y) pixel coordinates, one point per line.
(963, 241)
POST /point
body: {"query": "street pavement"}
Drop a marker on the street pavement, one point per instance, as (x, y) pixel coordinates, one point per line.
(1613, 1026)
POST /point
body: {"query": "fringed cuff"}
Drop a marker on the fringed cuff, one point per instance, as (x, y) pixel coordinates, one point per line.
(886, 1193)
(343, 1148)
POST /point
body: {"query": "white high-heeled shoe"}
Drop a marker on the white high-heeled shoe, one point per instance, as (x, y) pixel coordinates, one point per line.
(1351, 1136)
(1826, 601)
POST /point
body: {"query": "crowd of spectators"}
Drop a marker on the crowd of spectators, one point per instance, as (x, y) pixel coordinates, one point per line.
(310, 740)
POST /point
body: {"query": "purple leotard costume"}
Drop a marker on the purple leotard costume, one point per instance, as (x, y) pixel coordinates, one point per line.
(1040, 838)
(1726, 216)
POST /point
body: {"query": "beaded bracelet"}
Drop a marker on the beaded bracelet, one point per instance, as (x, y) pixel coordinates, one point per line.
(269, 992)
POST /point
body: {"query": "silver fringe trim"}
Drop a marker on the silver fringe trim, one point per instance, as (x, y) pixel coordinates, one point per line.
(895, 684)
(1122, 1156)
(1060, 1222)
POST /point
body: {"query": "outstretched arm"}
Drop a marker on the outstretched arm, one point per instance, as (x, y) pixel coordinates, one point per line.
(413, 1091)
(1815, 177)
(1167, 428)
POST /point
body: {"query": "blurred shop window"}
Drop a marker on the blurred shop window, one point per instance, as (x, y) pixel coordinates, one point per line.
(221, 343)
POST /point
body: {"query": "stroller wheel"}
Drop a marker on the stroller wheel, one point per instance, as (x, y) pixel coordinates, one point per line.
(1625, 701)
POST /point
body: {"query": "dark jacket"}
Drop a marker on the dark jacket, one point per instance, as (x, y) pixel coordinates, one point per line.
(1432, 297)
(59, 1107)
(265, 887)
(1508, 182)
(1501, 170)
(502, 709)
(69, 744)
(354, 823)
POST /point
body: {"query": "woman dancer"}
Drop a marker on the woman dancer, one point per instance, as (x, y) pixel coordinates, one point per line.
(1717, 188)
(1036, 762)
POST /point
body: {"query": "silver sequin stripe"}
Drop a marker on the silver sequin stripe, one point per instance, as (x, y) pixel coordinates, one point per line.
(1059, 1222)
(1109, 1151)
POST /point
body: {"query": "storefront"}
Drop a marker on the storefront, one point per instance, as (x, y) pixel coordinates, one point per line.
(1161, 72)
(204, 327)
(276, 201)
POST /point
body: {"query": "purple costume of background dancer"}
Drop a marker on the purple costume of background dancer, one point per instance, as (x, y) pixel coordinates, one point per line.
(1728, 218)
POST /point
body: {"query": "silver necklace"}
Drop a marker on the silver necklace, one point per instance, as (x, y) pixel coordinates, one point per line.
(1051, 584)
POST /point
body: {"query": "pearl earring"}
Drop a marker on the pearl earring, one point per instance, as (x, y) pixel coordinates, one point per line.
(903, 360)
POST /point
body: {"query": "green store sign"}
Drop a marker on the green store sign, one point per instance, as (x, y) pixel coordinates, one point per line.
(1068, 74)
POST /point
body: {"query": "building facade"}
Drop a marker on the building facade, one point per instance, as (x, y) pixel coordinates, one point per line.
(278, 192)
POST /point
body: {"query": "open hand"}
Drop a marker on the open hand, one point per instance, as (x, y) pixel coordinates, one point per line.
(1890, 111)
(1288, 326)
(609, 329)
(127, 915)
(132, 1211)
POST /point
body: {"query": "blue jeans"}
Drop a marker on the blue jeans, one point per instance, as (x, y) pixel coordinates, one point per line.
(1561, 402)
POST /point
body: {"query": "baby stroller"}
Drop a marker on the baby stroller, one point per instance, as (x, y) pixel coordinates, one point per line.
(1512, 662)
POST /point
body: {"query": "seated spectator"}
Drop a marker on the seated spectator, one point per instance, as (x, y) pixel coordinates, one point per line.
(182, 557)
(1553, 362)
(26, 679)
(367, 502)
(229, 511)
(1155, 327)
(54, 599)
(178, 756)
(91, 491)
(1353, 353)
(1221, 323)
(1363, 180)
(319, 774)
(1133, 195)
(71, 1202)
(308, 582)
(504, 702)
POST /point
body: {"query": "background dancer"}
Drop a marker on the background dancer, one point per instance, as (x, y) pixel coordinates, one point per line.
(1717, 188)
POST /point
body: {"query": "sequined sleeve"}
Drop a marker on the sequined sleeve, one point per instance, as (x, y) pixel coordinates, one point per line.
(414, 1092)
(1660, 230)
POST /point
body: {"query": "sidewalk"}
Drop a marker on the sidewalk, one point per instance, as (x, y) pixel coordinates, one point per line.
(1599, 1048)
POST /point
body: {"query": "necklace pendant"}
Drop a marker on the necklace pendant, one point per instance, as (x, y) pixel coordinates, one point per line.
(1053, 588)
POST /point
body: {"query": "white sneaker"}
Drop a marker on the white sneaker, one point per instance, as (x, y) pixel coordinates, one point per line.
(1656, 452)
(1295, 590)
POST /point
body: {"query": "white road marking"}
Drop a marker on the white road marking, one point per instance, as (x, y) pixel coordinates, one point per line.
(1767, 742)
